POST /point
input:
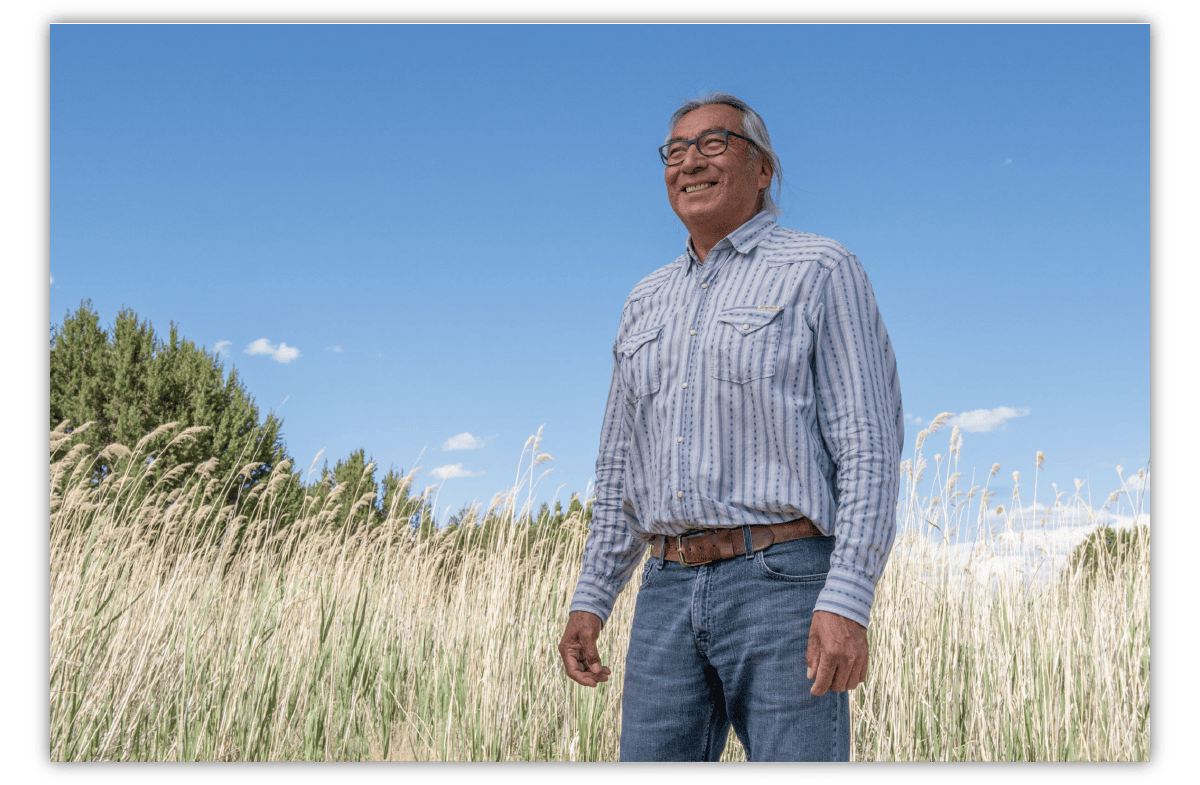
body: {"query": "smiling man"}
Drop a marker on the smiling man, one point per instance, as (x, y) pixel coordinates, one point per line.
(752, 441)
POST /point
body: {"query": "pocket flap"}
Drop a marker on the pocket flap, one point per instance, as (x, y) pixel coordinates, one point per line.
(748, 318)
(635, 341)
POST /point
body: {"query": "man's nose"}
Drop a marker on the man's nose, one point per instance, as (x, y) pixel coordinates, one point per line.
(692, 157)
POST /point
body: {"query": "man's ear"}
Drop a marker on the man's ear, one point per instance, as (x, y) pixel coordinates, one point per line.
(764, 172)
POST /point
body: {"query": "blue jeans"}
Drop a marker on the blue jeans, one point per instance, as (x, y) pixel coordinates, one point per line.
(722, 644)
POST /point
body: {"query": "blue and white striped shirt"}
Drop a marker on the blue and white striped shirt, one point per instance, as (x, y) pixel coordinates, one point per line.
(754, 388)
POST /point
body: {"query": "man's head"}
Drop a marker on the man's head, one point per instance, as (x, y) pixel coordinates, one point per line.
(732, 185)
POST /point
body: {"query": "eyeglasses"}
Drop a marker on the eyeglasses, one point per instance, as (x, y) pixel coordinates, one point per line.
(709, 144)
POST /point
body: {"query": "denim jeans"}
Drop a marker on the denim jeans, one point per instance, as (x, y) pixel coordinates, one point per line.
(722, 644)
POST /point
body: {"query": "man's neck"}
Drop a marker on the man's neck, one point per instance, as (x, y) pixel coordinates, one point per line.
(705, 236)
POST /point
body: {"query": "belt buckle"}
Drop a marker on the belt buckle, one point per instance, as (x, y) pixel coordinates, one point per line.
(679, 550)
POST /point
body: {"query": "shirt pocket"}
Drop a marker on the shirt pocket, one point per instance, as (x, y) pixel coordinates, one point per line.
(745, 343)
(641, 360)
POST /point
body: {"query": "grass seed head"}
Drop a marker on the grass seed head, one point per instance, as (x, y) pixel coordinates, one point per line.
(250, 468)
(115, 452)
(159, 431)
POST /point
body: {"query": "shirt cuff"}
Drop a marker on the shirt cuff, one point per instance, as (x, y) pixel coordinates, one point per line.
(847, 593)
(594, 595)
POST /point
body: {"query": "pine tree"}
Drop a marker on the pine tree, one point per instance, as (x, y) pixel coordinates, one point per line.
(128, 382)
(1108, 552)
(359, 492)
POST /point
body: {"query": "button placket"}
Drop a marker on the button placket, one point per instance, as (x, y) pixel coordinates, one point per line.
(686, 400)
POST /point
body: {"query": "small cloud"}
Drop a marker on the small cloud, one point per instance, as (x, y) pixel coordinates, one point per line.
(918, 420)
(451, 471)
(221, 345)
(1007, 162)
(1136, 482)
(463, 441)
(985, 420)
(336, 349)
(281, 353)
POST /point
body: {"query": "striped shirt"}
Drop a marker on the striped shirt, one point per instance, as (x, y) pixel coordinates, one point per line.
(757, 387)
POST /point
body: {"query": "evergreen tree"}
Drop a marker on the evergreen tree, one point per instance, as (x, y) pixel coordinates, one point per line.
(128, 382)
(396, 501)
(1106, 551)
(357, 491)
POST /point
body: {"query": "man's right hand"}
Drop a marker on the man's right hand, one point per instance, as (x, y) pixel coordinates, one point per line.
(578, 649)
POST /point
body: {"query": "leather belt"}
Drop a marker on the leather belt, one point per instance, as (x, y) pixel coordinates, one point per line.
(709, 545)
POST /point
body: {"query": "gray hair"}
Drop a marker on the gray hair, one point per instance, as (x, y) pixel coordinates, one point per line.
(752, 127)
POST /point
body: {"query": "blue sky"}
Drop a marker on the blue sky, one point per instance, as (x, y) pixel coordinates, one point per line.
(430, 231)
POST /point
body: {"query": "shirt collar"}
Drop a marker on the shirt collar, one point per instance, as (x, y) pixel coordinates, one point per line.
(743, 239)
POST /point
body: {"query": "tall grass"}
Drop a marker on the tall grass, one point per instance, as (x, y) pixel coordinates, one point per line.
(377, 644)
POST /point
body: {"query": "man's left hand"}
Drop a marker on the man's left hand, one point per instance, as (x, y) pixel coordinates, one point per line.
(837, 653)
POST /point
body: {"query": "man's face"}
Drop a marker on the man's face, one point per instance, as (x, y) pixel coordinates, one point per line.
(728, 184)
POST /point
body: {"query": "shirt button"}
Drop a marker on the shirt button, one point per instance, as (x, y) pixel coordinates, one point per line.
(693, 332)
(703, 286)
(680, 440)
(685, 385)
(745, 327)
(679, 494)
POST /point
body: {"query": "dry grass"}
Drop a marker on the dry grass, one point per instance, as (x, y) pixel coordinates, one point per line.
(307, 644)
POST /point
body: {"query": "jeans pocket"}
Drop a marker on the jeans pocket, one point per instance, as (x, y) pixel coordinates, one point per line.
(797, 561)
(648, 572)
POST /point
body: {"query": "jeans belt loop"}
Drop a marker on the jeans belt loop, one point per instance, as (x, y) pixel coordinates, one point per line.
(749, 541)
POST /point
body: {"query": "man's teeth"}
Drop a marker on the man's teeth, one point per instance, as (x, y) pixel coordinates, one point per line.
(700, 187)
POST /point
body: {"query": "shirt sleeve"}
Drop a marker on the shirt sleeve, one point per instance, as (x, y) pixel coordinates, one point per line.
(611, 553)
(860, 416)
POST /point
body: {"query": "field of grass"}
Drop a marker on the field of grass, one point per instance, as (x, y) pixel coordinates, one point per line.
(308, 644)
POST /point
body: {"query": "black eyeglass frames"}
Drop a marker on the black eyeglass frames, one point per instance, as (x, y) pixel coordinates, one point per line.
(709, 143)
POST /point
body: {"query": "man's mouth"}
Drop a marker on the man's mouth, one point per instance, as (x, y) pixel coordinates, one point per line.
(699, 187)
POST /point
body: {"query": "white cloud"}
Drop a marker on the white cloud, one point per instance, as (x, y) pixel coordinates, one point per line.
(1007, 161)
(220, 347)
(1137, 483)
(337, 349)
(281, 353)
(463, 441)
(451, 471)
(984, 420)
(1024, 548)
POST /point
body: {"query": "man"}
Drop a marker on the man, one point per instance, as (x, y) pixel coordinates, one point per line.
(751, 439)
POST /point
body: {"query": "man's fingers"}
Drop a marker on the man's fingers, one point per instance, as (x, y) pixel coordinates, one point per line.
(812, 653)
(859, 674)
(581, 660)
(823, 676)
(841, 677)
(591, 656)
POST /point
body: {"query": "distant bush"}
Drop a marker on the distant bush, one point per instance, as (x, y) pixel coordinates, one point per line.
(1107, 553)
